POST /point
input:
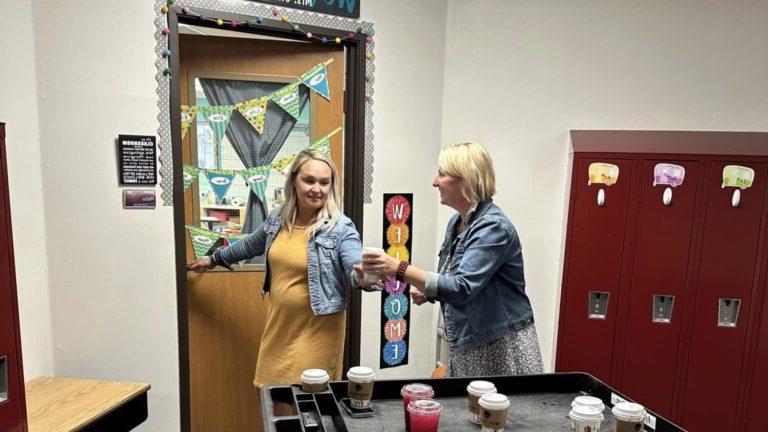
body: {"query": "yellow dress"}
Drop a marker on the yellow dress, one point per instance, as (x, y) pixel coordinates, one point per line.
(294, 337)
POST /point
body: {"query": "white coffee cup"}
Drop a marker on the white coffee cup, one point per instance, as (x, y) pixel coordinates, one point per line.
(494, 411)
(628, 415)
(371, 277)
(360, 386)
(588, 401)
(314, 380)
(475, 390)
(585, 419)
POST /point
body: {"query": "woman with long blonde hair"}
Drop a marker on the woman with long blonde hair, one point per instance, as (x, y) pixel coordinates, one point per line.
(311, 248)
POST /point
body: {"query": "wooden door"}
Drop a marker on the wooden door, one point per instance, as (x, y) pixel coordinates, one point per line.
(12, 405)
(596, 236)
(660, 268)
(226, 311)
(727, 273)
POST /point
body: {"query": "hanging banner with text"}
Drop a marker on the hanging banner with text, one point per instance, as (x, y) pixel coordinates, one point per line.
(342, 8)
(395, 300)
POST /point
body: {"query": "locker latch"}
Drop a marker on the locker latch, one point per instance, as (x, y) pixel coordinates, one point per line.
(598, 304)
(728, 312)
(662, 308)
(3, 379)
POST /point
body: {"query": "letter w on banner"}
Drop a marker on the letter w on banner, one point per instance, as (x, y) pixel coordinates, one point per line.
(396, 300)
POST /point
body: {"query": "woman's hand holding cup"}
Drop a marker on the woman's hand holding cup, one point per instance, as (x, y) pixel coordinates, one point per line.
(377, 262)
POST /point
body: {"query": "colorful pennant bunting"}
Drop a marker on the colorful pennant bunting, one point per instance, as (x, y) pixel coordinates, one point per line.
(190, 175)
(220, 180)
(288, 99)
(257, 179)
(317, 80)
(218, 119)
(254, 111)
(188, 115)
(202, 240)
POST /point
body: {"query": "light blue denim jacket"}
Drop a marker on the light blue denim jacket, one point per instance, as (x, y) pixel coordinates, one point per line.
(330, 256)
(482, 286)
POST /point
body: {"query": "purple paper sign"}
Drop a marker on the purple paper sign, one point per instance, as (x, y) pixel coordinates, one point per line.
(668, 174)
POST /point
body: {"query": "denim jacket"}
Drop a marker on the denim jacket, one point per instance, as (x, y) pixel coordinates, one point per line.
(482, 285)
(330, 256)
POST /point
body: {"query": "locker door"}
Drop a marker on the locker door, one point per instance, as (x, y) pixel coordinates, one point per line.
(12, 411)
(657, 288)
(757, 401)
(593, 260)
(727, 271)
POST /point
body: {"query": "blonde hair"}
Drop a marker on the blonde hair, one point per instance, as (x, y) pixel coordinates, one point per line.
(471, 163)
(329, 214)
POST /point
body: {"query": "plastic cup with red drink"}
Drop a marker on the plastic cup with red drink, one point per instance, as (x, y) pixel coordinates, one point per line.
(411, 392)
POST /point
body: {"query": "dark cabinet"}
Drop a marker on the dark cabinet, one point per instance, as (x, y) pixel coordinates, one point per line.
(12, 405)
(684, 265)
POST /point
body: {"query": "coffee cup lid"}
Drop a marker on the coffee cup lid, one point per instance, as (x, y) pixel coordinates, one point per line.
(585, 413)
(629, 411)
(373, 249)
(494, 401)
(424, 406)
(360, 373)
(314, 376)
(588, 401)
(479, 388)
(417, 390)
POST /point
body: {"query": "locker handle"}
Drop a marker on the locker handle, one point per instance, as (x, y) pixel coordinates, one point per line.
(3, 379)
(728, 312)
(598, 304)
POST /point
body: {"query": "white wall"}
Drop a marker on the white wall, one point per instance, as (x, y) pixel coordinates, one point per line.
(112, 282)
(18, 108)
(520, 74)
(408, 95)
(553, 66)
(111, 271)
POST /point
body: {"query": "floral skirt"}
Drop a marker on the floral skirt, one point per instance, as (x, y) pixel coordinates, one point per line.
(517, 353)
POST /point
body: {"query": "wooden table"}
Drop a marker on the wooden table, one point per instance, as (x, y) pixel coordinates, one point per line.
(68, 404)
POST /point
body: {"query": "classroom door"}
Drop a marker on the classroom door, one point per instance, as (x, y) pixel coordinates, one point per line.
(226, 312)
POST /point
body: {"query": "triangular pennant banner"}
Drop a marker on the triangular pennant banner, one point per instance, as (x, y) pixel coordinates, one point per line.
(188, 114)
(317, 80)
(288, 99)
(283, 163)
(220, 180)
(254, 111)
(256, 179)
(202, 240)
(191, 174)
(323, 144)
(218, 119)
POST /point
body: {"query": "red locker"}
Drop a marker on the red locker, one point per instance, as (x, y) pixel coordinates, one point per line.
(721, 310)
(594, 269)
(12, 404)
(657, 290)
(757, 415)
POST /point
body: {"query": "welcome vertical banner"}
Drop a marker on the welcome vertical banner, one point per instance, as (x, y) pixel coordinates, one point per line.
(395, 300)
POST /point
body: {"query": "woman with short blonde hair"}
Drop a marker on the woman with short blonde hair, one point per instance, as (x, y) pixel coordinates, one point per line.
(480, 283)
(470, 162)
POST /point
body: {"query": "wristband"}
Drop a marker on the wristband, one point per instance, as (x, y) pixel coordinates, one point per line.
(400, 273)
